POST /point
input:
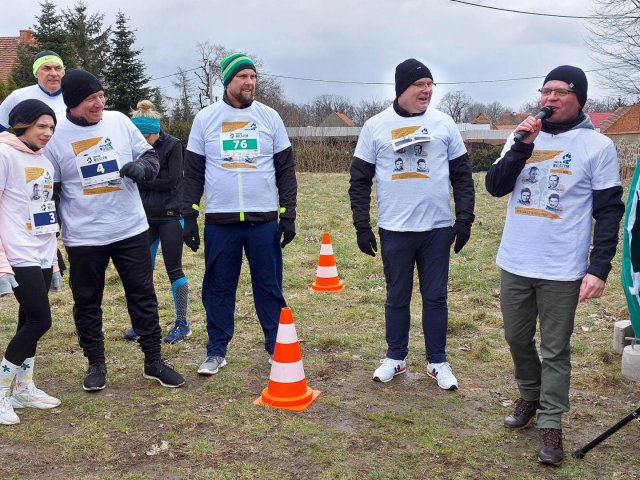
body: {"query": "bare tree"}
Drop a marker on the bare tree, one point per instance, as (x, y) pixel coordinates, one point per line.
(615, 41)
(324, 105)
(455, 103)
(209, 73)
(183, 109)
(606, 104)
(367, 109)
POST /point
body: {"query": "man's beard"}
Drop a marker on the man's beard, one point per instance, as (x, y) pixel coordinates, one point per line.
(243, 99)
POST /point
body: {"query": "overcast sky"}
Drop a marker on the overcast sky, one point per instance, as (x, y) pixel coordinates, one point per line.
(357, 40)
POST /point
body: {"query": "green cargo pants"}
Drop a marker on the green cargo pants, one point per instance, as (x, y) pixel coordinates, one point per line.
(522, 301)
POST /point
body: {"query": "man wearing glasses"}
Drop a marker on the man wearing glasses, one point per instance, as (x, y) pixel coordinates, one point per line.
(544, 257)
(414, 214)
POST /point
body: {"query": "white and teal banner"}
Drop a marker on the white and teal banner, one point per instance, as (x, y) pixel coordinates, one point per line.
(631, 253)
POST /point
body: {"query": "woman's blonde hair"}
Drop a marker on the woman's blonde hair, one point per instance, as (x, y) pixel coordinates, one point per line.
(146, 109)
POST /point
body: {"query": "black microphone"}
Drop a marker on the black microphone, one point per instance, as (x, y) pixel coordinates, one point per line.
(542, 114)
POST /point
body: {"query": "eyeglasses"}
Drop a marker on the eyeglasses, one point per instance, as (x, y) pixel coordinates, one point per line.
(423, 85)
(560, 92)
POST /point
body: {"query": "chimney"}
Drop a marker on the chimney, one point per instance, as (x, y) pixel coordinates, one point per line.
(26, 36)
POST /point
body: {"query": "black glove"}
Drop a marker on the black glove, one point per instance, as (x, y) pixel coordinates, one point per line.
(286, 230)
(191, 233)
(367, 241)
(460, 233)
(133, 170)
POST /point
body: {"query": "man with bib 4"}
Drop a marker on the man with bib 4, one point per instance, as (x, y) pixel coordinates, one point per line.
(98, 156)
(414, 213)
(239, 155)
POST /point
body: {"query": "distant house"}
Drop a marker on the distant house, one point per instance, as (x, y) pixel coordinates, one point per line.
(597, 118)
(482, 119)
(623, 128)
(509, 121)
(623, 124)
(337, 120)
(9, 51)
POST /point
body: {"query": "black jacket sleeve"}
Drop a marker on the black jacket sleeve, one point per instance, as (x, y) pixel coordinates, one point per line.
(501, 177)
(286, 182)
(608, 210)
(361, 181)
(464, 196)
(174, 161)
(57, 189)
(149, 160)
(193, 183)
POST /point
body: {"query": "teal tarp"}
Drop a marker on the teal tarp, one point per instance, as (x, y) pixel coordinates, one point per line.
(631, 253)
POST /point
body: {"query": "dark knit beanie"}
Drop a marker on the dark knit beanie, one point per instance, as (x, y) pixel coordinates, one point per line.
(408, 72)
(234, 63)
(77, 85)
(27, 112)
(574, 77)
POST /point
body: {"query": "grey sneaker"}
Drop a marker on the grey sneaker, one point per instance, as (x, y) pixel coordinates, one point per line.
(32, 397)
(211, 365)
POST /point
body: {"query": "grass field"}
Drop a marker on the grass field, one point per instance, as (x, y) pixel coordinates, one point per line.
(356, 429)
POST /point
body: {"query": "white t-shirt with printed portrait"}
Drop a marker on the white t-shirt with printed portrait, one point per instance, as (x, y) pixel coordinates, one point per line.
(412, 184)
(25, 179)
(547, 230)
(97, 207)
(239, 145)
(32, 92)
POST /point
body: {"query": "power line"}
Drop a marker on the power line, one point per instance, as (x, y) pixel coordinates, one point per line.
(595, 17)
(353, 82)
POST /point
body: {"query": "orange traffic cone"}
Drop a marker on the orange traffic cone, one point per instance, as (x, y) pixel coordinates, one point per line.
(287, 388)
(327, 274)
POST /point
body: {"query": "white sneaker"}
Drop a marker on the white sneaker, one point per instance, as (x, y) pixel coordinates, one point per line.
(7, 415)
(388, 369)
(32, 397)
(443, 374)
(211, 365)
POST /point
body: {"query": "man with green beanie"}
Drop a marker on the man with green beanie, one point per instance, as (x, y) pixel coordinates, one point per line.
(240, 157)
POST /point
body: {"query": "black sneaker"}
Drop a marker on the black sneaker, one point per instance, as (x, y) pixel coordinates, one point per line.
(96, 377)
(162, 372)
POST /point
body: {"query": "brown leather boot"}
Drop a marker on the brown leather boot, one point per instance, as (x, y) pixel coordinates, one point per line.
(524, 413)
(551, 451)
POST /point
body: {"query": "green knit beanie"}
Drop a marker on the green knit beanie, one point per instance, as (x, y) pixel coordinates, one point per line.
(232, 64)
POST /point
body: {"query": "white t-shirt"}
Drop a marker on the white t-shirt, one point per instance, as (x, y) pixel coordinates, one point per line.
(101, 212)
(547, 231)
(25, 179)
(412, 184)
(239, 145)
(33, 92)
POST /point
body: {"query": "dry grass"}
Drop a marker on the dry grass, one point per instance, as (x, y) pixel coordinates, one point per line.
(357, 428)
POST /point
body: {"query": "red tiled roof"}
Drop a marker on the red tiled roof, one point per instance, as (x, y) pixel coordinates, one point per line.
(598, 117)
(347, 121)
(8, 51)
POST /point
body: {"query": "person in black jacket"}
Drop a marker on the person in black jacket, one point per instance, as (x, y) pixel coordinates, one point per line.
(544, 254)
(414, 213)
(162, 198)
